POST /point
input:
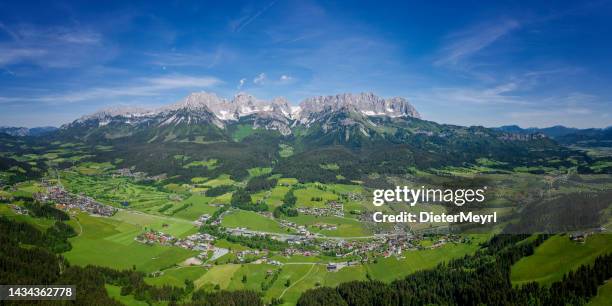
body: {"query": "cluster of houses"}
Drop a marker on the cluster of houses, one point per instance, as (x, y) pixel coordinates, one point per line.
(65, 200)
(300, 229)
(201, 220)
(294, 251)
(386, 246)
(19, 209)
(197, 242)
(244, 255)
(333, 208)
(155, 237)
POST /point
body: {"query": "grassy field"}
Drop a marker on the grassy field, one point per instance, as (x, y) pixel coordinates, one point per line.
(604, 295)
(176, 276)
(110, 242)
(218, 275)
(209, 164)
(557, 256)
(252, 221)
(219, 181)
(347, 227)
(288, 181)
(391, 268)
(259, 171)
(198, 206)
(273, 197)
(173, 226)
(305, 197)
(115, 293)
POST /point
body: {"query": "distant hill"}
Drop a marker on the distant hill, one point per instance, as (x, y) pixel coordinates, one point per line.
(23, 131)
(568, 136)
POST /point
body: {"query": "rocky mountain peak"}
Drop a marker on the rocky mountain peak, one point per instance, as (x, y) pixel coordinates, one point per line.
(114, 111)
(197, 100)
(276, 114)
(366, 103)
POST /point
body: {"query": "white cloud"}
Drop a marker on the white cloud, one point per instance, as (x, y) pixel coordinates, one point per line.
(260, 79)
(285, 78)
(462, 45)
(241, 83)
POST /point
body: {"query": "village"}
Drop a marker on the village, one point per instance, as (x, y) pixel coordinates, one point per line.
(302, 240)
(333, 208)
(65, 200)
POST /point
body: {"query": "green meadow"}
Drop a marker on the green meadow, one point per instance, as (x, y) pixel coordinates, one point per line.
(604, 295)
(223, 179)
(252, 221)
(557, 256)
(306, 197)
(346, 227)
(110, 242)
(198, 205)
(176, 276)
(115, 293)
(170, 225)
(391, 268)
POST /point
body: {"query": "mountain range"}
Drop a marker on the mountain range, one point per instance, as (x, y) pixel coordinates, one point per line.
(276, 114)
(357, 134)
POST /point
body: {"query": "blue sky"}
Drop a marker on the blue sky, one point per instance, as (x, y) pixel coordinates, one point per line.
(471, 63)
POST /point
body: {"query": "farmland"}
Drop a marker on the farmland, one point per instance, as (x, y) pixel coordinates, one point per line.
(330, 228)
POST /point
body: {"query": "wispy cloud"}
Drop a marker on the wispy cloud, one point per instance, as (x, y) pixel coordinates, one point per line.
(55, 47)
(463, 44)
(143, 87)
(497, 95)
(197, 58)
(260, 79)
(248, 17)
